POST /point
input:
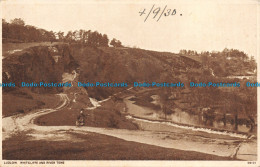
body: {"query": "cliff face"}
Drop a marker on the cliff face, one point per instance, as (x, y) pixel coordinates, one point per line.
(48, 64)
(38, 64)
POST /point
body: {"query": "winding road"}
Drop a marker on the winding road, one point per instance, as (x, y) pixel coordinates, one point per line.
(23, 123)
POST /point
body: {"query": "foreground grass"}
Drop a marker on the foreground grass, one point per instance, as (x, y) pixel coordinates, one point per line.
(93, 146)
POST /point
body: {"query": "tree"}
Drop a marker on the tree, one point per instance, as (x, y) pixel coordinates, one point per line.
(251, 110)
(235, 106)
(17, 31)
(31, 34)
(183, 52)
(93, 39)
(69, 37)
(75, 36)
(116, 43)
(166, 103)
(86, 35)
(5, 29)
(61, 36)
(4, 21)
(18, 21)
(51, 36)
(104, 40)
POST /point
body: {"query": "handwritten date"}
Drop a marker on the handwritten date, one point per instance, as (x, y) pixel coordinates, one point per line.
(158, 12)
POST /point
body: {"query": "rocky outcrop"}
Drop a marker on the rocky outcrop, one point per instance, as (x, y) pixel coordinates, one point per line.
(39, 64)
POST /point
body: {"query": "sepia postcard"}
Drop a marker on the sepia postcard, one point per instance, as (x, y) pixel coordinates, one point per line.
(129, 83)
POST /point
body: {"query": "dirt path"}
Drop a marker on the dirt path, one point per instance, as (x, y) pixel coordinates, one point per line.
(9, 48)
(22, 123)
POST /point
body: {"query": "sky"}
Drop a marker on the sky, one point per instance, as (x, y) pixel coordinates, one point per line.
(197, 25)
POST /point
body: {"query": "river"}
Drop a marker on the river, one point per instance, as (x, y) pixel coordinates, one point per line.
(188, 137)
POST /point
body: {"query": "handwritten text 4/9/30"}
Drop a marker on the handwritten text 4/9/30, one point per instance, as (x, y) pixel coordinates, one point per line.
(157, 12)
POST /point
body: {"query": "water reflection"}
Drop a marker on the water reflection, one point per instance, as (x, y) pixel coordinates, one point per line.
(199, 120)
(217, 120)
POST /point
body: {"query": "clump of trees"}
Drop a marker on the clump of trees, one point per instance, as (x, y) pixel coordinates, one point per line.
(227, 53)
(116, 43)
(229, 62)
(167, 103)
(188, 52)
(18, 31)
(85, 37)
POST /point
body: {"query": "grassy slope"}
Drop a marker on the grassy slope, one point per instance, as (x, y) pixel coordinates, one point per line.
(108, 115)
(24, 101)
(126, 65)
(94, 147)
